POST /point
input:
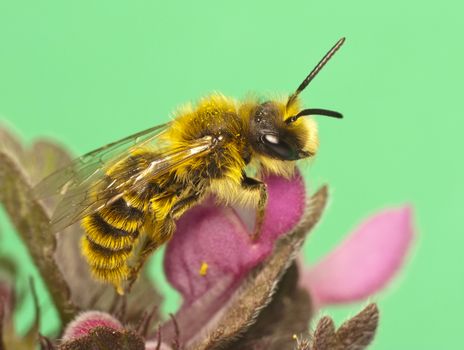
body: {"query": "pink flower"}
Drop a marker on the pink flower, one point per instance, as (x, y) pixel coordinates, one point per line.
(212, 245)
(212, 253)
(367, 259)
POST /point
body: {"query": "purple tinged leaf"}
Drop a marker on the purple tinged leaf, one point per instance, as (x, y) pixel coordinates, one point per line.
(31, 221)
(358, 332)
(324, 337)
(38, 161)
(364, 262)
(10, 146)
(288, 314)
(355, 334)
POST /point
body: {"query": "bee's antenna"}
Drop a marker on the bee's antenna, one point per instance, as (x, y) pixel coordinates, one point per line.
(314, 111)
(316, 70)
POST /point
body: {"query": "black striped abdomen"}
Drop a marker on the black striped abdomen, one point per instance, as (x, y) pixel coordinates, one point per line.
(109, 239)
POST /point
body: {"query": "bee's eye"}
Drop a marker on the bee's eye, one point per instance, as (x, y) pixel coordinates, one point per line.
(278, 148)
(272, 139)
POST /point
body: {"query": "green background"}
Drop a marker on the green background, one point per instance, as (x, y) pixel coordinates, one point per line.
(89, 72)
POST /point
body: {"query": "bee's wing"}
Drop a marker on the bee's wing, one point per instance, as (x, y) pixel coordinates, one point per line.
(91, 166)
(94, 192)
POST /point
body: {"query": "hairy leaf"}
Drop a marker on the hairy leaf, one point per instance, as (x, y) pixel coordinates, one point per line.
(324, 337)
(32, 223)
(287, 314)
(355, 334)
(358, 332)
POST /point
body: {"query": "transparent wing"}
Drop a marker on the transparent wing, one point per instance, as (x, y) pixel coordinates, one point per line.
(89, 197)
(84, 185)
(91, 166)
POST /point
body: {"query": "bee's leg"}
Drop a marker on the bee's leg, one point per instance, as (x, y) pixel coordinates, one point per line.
(163, 232)
(149, 246)
(184, 204)
(167, 226)
(259, 188)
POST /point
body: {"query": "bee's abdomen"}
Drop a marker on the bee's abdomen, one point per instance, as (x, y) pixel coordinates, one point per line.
(109, 238)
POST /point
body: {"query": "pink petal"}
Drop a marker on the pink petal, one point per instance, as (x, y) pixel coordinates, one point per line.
(364, 262)
(87, 321)
(216, 237)
(211, 250)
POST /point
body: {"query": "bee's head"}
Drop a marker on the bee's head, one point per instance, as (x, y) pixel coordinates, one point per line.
(272, 136)
(276, 128)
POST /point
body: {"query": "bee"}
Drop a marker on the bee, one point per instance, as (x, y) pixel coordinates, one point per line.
(128, 194)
